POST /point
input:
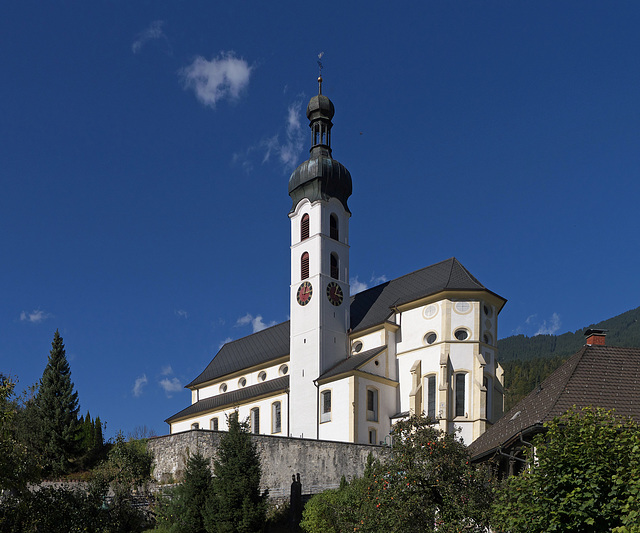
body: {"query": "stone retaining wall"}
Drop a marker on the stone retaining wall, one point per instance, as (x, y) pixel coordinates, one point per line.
(320, 464)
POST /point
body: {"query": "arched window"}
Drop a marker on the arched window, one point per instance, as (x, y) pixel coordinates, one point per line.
(304, 227)
(304, 266)
(276, 417)
(430, 393)
(372, 404)
(255, 420)
(325, 406)
(333, 227)
(335, 268)
(460, 393)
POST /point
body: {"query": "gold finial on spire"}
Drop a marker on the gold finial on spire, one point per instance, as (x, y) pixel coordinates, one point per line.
(320, 74)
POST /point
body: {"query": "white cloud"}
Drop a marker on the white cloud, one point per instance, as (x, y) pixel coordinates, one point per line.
(153, 32)
(182, 313)
(551, 327)
(170, 386)
(222, 77)
(139, 384)
(166, 370)
(357, 286)
(36, 316)
(257, 322)
(290, 150)
(228, 339)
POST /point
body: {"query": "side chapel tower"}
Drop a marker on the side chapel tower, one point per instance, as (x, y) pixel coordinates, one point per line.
(320, 302)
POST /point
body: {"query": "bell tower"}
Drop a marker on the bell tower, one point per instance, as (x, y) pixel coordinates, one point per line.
(320, 302)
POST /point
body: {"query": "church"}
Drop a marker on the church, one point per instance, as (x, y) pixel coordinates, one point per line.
(345, 367)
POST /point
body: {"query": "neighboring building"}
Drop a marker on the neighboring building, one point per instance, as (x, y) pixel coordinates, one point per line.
(597, 375)
(345, 367)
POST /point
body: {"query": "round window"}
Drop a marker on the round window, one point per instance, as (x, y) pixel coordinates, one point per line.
(430, 338)
(357, 346)
(242, 382)
(461, 334)
(223, 387)
(284, 370)
(430, 311)
(262, 376)
(462, 307)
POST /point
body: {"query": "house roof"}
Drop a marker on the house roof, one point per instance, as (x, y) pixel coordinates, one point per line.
(368, 308)
(352, 363)
(601, 376)
(233, 398)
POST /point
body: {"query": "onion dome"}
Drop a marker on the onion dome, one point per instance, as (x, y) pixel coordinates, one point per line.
(320, 177)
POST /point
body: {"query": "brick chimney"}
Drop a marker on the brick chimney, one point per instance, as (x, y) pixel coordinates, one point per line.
(595, 337)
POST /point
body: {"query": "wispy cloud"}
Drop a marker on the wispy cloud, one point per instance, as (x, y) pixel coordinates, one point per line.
(139, 385)
(224, 77)
(357, 286)
(257, 322)
(35, 317)
(152, 33)
(181, 313)
(286, 152)
(170, 386)
(550, 327)
(228, 339)
(166, 370)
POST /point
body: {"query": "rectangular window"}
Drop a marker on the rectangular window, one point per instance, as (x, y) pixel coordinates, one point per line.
(276, 417)
(431, 397)
(372, 405)
(460, 394)
(255, 420)
(325, 406)
(373, 436)
(214, 424)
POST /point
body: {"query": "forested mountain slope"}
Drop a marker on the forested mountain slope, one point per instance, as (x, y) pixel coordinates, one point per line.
(527, 361)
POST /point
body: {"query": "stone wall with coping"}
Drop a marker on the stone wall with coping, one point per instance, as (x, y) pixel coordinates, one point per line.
(320, 463)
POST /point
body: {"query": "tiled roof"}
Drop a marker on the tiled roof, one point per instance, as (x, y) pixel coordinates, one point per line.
(352, 363)
(368, 308)
(233, 398)
(600, 376)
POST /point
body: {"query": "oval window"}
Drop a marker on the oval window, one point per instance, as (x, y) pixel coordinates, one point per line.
(487, 338)
(223, 387)
(262, 376)
(430, 311)
(242, 382)
(284, 370)
(461, 334)
(487, 311)
(430, 338)
(357, 346)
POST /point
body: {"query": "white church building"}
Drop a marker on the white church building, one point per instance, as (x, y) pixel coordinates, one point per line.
(345, 367)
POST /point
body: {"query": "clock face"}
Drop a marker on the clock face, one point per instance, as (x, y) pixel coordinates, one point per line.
(334, 293)
(304, 293)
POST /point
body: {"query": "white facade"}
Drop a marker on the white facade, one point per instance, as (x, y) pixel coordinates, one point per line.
(344, 368)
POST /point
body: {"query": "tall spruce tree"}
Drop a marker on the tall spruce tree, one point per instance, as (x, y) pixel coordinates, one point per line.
(235, 503)
(57, 404)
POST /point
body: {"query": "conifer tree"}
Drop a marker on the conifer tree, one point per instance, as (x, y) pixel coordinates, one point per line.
(57, 404)
(235, 503)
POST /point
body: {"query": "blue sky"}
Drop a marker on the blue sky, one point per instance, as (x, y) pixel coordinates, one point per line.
(145, 150)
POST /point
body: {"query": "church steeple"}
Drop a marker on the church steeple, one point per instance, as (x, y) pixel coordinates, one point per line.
(320, 177)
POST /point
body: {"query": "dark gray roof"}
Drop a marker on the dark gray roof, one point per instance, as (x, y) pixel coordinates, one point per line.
(233, 398)
(600, 376)
(252, 350)
(373, 306)
(352, 363)
(368, 308)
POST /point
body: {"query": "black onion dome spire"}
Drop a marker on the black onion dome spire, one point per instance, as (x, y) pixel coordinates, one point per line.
(320, 177)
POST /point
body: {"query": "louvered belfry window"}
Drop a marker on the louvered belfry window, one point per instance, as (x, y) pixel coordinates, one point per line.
(304, 227)
(333, 227)
(304, 266)
(335, 271)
